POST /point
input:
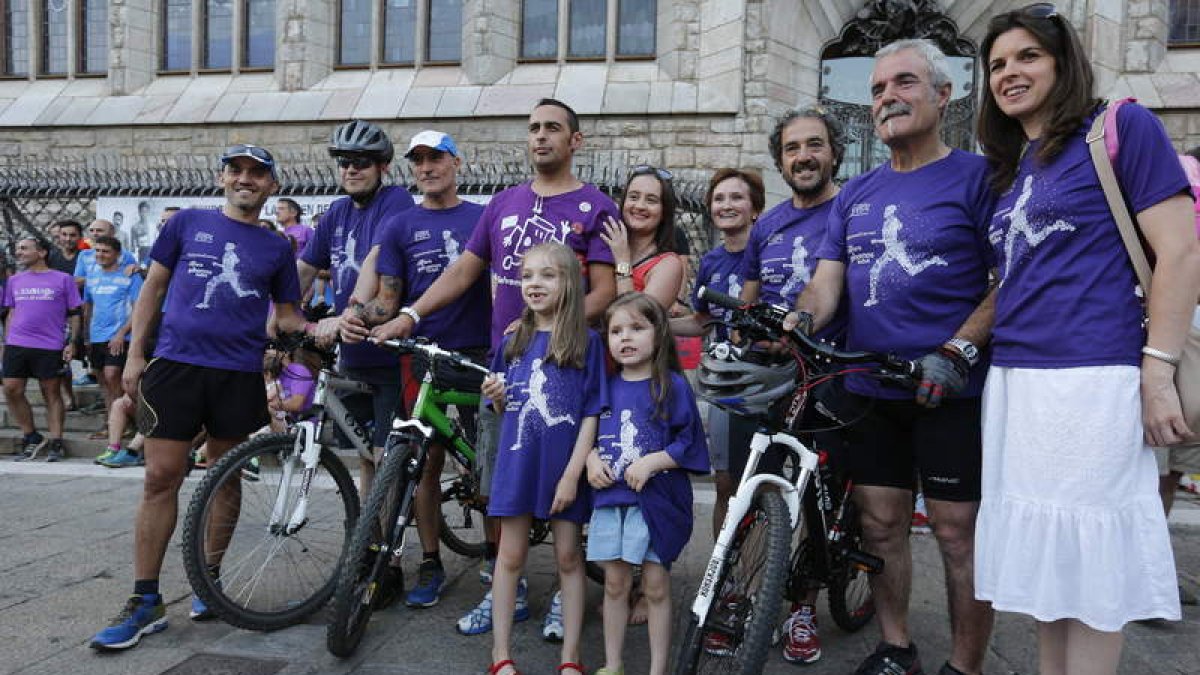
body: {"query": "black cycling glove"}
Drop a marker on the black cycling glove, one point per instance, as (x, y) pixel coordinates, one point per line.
(943, 374)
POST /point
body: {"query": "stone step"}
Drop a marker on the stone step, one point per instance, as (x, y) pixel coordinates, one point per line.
(84, 395)
(76, 443)
(74, 421)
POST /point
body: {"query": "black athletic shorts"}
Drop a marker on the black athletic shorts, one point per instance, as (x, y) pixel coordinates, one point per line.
(898, 440)
(100, 358)
(27, 362)
(179, 399)
(378, 407)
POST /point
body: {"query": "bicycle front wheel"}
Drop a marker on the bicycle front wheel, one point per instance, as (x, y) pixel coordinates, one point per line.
(736, 635)
(275, 547)
(462, 527)
(360, 585)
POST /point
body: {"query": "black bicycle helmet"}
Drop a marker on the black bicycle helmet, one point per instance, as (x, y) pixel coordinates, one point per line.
(741, 385)
(362, 138)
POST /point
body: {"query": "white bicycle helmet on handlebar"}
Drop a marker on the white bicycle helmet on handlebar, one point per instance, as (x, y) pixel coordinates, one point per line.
(734, 381)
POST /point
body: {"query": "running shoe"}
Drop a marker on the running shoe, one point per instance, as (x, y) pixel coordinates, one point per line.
(109, 453)
(33, 444)
(142, 615)
(123, 459)
(891, 660)
(200, 611)
(801, 643)
(479, 620)
(552, 624)
(55, 450)
(252, 471)
(431, 579)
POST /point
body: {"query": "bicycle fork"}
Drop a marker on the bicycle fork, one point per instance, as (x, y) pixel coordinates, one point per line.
(416, 432)
(306, 448)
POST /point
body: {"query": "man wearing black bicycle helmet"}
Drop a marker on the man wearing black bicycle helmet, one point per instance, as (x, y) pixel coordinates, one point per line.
(343, 238)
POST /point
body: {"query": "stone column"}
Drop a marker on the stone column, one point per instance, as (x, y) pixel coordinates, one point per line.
(490, 33)
(134, 37)
(307, 42)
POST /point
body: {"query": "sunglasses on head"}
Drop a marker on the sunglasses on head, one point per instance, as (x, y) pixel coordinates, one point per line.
(247, 150)
(359, 162)
(646, 169)
(1040, 10)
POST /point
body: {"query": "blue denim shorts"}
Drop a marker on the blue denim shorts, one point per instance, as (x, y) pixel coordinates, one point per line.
(619, 533)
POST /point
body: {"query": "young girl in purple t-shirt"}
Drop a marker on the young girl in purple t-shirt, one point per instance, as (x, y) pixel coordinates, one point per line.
(291, 382)
(548, 384)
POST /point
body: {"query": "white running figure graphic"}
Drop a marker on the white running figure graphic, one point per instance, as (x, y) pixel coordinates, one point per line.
(735, 286)
(349, 264)
(1019, 224)
(628, 444)
(800, 275)
(228, 275)
(537, 402)
(895, 250)
(450, 245)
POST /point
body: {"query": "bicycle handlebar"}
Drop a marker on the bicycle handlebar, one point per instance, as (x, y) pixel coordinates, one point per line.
(767, 321)
(430, 350)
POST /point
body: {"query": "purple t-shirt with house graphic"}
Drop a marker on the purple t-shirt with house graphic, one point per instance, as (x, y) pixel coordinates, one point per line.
(1067, 292)
(518, 219)
(224, 276)
(917, 259)
(39, 302)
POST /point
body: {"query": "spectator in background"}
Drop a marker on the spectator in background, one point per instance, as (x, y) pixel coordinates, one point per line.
(85, 263)
(66, 242)
(38, 304)
(287, 214)
(166, 215)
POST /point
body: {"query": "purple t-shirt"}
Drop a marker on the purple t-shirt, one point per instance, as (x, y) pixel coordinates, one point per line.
(224, 276)
(917, 259)
(781, 256)
(518, 219)
(343, 238)
(631, 428)
(1067, 293)
(545, 405)
(296, 379)
(39, 302)
(721, 271)
(299, 233)
(416, 246)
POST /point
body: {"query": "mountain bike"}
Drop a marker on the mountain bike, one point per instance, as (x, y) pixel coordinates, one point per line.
(731, 620)
(274, 513)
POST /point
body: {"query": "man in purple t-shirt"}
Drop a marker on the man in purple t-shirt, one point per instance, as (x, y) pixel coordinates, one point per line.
(38, 305)
(409, 253)
(554, 206)
(906, 247)
(215, 277)
(287, 215)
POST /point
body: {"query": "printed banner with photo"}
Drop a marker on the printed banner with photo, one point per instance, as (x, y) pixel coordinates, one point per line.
(137, 219)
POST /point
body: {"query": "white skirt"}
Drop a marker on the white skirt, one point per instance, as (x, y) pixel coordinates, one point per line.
(1070, 523)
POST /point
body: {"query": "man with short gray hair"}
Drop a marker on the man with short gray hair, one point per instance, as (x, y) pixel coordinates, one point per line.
(907, 248)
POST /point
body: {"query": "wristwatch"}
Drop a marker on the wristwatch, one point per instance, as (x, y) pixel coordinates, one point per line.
(623, 269)
(412, 314)
(965, 347)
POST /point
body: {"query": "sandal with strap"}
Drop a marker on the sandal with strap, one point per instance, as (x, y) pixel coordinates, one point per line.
(571, 666)
(501, 665)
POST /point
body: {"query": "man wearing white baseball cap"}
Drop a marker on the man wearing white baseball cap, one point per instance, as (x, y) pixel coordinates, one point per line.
(409, 251)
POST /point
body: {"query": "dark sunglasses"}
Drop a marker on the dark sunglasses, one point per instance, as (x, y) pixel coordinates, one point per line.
(359, 163)
(646, 169)
(1040, 10)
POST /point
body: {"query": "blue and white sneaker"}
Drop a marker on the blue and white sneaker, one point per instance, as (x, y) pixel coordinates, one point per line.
(552, 624)
(142, 615)
(479, 620)
(200, 611)
(431, 579)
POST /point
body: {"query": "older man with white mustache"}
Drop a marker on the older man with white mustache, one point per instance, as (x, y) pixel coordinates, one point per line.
(907, 246)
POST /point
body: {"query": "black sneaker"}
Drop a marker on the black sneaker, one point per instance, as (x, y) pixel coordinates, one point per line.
(33, 444)
(889, 659)
(55, 450)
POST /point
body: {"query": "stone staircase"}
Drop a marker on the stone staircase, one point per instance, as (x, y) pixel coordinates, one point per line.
(76, 428)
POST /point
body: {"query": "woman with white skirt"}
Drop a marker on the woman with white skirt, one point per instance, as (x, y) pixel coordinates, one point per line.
(1071, 530)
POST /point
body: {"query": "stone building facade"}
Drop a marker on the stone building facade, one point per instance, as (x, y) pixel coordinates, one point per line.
(720, 71)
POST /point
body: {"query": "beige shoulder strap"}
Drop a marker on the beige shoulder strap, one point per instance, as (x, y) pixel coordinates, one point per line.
(1116, 203)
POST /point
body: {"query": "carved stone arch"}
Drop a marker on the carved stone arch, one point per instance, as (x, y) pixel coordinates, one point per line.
(848, 57)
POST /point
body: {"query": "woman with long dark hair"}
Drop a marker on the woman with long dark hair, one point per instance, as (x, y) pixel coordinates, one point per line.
(1070, 527)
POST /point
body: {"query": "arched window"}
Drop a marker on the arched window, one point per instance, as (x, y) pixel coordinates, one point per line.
(846, 65)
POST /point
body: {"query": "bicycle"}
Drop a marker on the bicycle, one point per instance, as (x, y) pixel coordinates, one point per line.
(274, 514)
(740, 593)
(380, 535)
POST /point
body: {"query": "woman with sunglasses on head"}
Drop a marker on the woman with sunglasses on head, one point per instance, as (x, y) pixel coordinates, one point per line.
(643, 242)
(1070, 528)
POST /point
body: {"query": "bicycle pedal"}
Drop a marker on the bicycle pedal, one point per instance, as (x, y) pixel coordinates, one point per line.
(865, 562)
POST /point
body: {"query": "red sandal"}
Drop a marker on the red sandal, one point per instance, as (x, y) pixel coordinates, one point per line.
(501, 665)
(571, 666)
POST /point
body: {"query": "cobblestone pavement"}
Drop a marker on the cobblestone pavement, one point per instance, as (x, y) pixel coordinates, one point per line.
(65, 548)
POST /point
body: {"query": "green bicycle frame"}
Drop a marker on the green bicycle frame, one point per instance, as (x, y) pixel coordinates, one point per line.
(430, 408)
